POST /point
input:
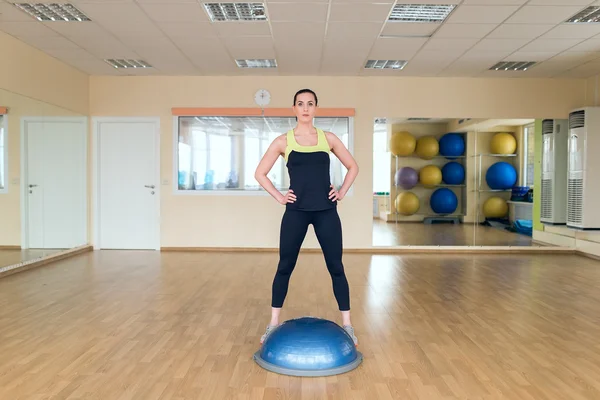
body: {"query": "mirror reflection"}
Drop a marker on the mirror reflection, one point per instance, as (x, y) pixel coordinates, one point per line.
(454, 181)
(43, 182)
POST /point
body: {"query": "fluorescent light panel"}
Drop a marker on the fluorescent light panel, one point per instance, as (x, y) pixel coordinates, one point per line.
(123, 63)
(512, 65)
(257, 63)
(589, 15)
(236, 11)
(385, 64)
(53, 11)
(421, 12)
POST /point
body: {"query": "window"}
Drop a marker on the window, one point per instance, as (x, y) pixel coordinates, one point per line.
(222, 153)
(529, 155)
(381, 159)
(3, 154)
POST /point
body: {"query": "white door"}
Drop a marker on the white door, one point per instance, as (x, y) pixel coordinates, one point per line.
(127, 183)
(54, 184)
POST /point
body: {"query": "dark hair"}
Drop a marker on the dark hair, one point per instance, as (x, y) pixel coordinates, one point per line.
(306, 91)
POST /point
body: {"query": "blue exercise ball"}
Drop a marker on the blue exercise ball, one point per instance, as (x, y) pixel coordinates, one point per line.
(443, 201)
(452, 145)
(453, 173)
(308, 346)
(501, 176)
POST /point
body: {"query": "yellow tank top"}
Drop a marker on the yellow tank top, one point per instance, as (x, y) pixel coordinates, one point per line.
(292, 145)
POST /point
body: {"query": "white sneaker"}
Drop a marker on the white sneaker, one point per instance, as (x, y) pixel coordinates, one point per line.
(350, 331)
(267, 333)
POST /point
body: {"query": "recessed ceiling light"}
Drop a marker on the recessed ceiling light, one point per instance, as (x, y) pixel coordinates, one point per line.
(123, 63)
(236, 11)
(421, 12)
(512, 65)
(589, 15)
(53, 12)
(385, 64)
(257, 63)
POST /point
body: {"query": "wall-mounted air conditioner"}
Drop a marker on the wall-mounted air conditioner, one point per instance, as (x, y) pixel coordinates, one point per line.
(555, 135)
(583, 187)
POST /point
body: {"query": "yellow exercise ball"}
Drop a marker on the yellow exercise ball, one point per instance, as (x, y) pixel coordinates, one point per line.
(503, 143)
(407, 203)
(495, 207)
(402, 144)
(427, 147)
(430, 175)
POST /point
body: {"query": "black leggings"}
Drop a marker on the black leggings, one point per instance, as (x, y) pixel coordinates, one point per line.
(328, 229)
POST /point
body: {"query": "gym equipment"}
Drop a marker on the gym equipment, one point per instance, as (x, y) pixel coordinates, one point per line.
(452, 145)
(406, 177)
(427, 147)
(430, 175)
(495, 207)
(443, 201)
(501, 176)
(407, 203)
(402, 144)
(503, 143)
(453, 173)
(308, 346)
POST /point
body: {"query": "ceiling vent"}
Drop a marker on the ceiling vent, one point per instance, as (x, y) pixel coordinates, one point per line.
(421, 12)
(121, 63)
(512, 66)
(589, 15)
(236, 11)
(53, 12)
(257, 63)
(385, 64)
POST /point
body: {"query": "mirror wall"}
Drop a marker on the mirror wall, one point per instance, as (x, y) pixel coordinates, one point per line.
(43, 182)
(454, 181)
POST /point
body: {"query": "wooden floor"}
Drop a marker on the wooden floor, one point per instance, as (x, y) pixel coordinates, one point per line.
(144, 325)
(419, 234)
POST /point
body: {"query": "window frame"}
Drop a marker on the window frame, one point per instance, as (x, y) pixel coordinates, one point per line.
(4, 127)
(525, 154)
(237, 192)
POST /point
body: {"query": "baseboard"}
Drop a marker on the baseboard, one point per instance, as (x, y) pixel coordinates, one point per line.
(10, 247)
(587, 255)
(395, 250)
(27, 265)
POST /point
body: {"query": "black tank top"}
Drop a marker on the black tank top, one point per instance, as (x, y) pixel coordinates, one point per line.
(308, 168)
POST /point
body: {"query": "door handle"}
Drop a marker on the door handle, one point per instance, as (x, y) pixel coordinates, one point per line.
(149, 186)
(32, 186)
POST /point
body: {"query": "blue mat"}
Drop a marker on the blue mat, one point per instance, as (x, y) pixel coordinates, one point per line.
(524, 226)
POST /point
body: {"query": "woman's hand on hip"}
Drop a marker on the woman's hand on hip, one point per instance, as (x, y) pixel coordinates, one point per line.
(289, 197)
(334, 195)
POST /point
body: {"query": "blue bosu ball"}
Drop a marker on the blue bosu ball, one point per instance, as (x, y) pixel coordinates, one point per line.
(308, 346)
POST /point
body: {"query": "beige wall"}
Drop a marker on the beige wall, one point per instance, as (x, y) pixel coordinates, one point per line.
(32, 84)
(192, 220)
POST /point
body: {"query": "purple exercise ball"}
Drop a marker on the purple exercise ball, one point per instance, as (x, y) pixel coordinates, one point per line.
(407, 177)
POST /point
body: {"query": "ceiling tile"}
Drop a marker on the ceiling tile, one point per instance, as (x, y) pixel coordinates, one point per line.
(342, 31)
(481, 14)
(572, 31)
(587, 45)
(300, 60)
(9, 13)
(186, 29)
(316, 12)
(495, 2)
(559, 2)
(359, 12)
(475, 31)
(455, 44)
(550, 45)
(210, 56)
(49, 42)
(520, 31)
(336, 59)
(396, 48)
(175, 12)
(409, 29)
(543, 14)
(249, 47)
(530, 56)
(29, 28)
(500, 44)
(291, 31)
(231, 29)
(125, 19)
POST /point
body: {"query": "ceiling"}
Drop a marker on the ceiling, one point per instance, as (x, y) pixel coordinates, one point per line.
(318, 37)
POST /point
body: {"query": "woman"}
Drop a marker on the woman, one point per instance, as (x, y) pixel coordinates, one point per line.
(311, 199)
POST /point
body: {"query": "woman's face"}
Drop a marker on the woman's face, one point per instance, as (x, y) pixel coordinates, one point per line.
(305, 107)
